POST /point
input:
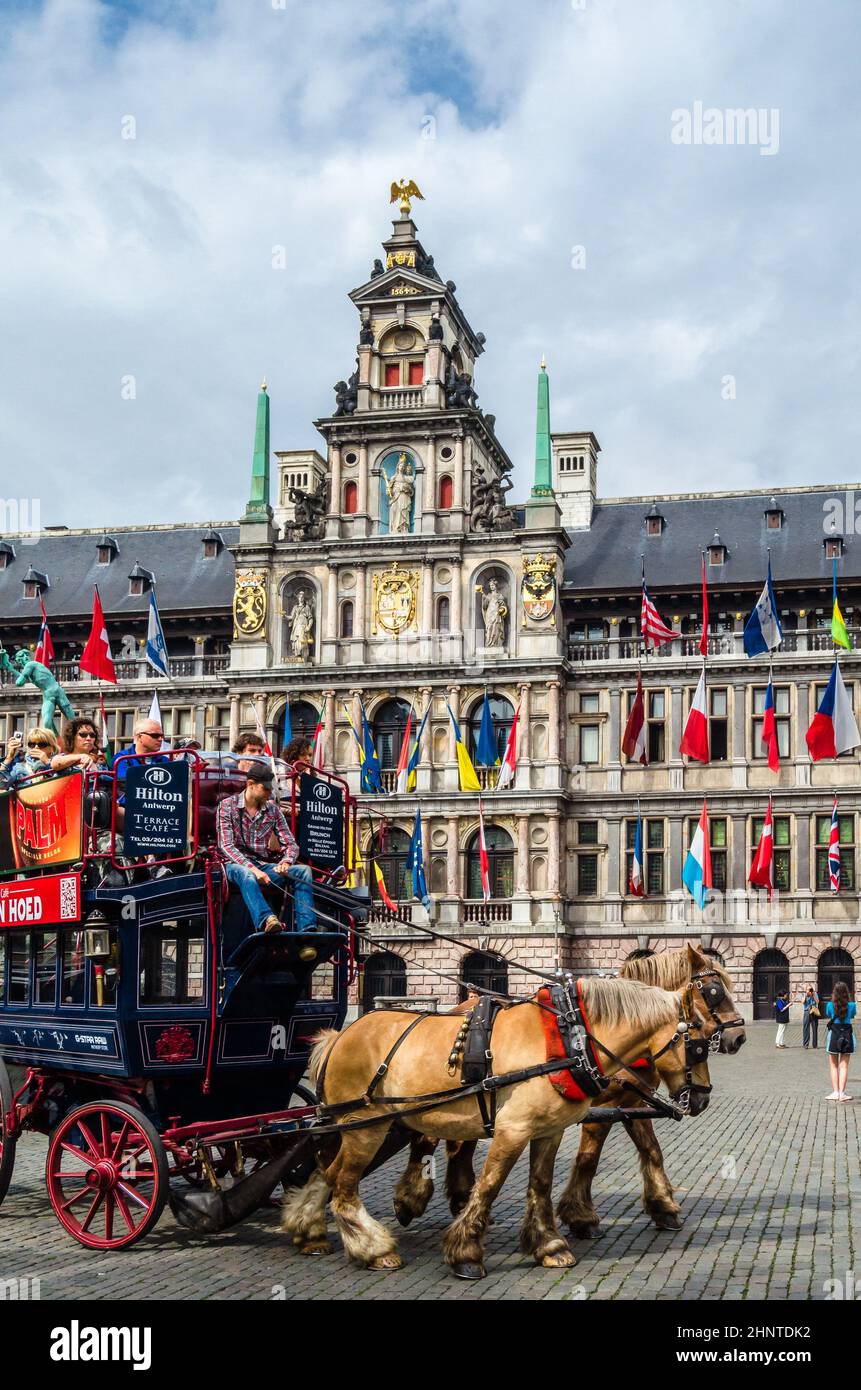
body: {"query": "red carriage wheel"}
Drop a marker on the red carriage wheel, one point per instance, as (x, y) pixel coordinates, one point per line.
(7, 1145)
(107, 1174)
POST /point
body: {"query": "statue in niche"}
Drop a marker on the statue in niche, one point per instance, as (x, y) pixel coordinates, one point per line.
(309, 513)
(400, 490)
(300, 621)
(494, 611)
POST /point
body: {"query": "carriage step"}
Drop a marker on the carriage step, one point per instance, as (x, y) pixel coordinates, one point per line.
(288, 947)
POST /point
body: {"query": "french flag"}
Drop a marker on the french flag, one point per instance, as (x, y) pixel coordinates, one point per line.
(697, 873)
(833, 730)
(762, 631)
(762, 869)
(695, 739)
(638, 880)
(769, 729)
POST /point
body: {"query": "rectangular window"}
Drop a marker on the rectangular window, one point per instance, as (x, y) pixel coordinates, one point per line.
(781, 720)
(172, 956)
(417, 374)
(590, 702)
(819, 691)
(782, 850)
(718, 725)
(846, 829)
(653, 851)
(393, 374)
(589, 743)
(717, 848)
(19, 967)
(46, 967)
(587, 832)
(74, 968)
(656, 706)
(587, 875)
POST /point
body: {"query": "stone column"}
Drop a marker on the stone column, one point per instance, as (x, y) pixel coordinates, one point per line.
(522, 883)
(429, 489)
(359, 619)
(235, 703)
(456, 597)
(523, 777)
(356, 716)
(330, 625)
(614, 860)
(738, 849)
(362, 498)
(329, 727)
(614, 752)
(673, 866)
(554, 823)
(553, 770)
(334, 524)
(454, 706)
(452, 886)
(426, 620)
(260, 707)
(458, 472)
(804, 884)
(803, 703)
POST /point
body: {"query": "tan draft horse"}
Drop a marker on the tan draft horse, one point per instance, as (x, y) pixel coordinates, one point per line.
(630, 1019)
(670, 970)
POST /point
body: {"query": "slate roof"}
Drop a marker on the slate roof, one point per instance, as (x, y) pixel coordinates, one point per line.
(185, 579)
(606, 558)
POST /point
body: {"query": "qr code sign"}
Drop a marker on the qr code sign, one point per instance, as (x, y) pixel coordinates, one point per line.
(68, 899)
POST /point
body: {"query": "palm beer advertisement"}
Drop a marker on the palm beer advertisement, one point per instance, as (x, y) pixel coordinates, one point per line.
(41, 824)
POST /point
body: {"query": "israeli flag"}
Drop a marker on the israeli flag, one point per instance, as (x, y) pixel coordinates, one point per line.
(762, 631)
(156, 650)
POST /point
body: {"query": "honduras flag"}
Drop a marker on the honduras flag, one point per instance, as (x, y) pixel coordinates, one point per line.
(415, 863)
(762, 631)
(156, 649)
(487, 748)
(697, 873)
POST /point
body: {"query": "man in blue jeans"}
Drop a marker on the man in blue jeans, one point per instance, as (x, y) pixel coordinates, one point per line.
(245, 825)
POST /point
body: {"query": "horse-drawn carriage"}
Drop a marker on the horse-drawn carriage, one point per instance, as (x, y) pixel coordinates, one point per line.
(155, 1038)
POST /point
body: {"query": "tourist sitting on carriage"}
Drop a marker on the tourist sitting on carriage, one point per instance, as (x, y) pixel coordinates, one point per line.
(18, 765)
(245, 823)
(80, 747)
(299, 752)
(248, 749)
(148, 738)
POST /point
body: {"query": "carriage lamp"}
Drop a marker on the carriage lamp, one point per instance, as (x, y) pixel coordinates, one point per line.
(97, 936)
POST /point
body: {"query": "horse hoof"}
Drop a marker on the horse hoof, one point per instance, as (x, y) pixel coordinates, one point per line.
(385, 1262)
(585, 1230)
(316, 1247)
(403, 1213)
(468, 1269)
(667, 1220)
(560, 1259)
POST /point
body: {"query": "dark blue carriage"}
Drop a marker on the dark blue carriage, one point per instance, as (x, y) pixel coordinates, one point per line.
(150, 1033)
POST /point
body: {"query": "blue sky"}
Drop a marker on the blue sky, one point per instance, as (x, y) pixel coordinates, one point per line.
(706, 332)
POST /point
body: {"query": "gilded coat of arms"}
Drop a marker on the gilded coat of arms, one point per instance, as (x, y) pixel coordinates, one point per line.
(394, 600)
(249, 602)
(538, 589)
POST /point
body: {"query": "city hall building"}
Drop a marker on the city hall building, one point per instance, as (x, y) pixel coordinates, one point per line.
(390, 569)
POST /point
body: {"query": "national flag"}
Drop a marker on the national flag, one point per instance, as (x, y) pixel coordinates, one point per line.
(508, 767)
(415, 863)
(372, 773)
(354, 855)
(404, 759)
(839, 635)
(156, 649)
(483, 861)
(697, 873)
(652, 625)
(384, 892)
(415, 755)
(317, 754)
(769, 729)
(762, 631)
(695, 739)
(96, 657)
(704, 635)
(834, 851)
(762, 869)
(288, 725)
(638, 878)
(44, 647)
(107, 747)
(634, 737)
(467, 775)
(155, 716)
(833, 729)
(487, 748)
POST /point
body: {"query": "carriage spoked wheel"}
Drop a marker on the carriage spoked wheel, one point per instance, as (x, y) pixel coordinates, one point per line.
(7, 1145)
(107, 1174)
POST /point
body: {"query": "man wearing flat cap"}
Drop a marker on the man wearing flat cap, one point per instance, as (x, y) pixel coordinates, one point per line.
(245, 824)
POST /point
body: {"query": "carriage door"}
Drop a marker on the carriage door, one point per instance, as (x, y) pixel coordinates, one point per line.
(487, 971)
(770, 976)
(385, 974)
(834, 964)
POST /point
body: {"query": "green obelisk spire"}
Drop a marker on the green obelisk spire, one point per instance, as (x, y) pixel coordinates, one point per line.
(258, 508)
(542, 486)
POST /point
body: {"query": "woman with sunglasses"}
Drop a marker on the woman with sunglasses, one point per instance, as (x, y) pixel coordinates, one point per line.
(81, 745)
(19, 764)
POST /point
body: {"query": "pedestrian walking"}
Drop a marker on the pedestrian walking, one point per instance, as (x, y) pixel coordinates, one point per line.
(812, 1015)
(840, 1012)
(781, 1017)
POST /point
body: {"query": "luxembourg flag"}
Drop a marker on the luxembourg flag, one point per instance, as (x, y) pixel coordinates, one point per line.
(762, 631)
(404, 759)
(638, 881)
(833, 730)
(695, 739)
(697, 873)
(509, 761)
(762, 869)
(769, 729)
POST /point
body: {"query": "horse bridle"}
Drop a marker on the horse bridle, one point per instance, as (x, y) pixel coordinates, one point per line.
(698, 1049)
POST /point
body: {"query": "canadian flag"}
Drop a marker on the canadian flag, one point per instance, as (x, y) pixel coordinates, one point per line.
(96, 657)
(695, 739)
(762, 869)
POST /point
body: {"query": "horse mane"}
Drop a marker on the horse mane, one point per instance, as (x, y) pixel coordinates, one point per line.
(669, 969)
(613, 1001)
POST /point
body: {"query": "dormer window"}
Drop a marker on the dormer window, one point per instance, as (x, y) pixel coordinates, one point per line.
(107, 550)
(7, 554)
(654, 521)
(140, 581)
(213, 544)
(833, 547)
(717, 551)
(774, 516)
(35, 583)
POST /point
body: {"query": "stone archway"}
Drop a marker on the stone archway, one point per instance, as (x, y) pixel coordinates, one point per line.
(770, 976)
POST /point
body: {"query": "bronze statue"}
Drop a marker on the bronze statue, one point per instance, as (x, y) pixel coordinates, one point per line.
(310, 511)
(24, 669)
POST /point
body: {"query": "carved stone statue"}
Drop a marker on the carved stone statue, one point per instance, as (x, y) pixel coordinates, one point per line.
(366, 335)
(425, 266)
(300, 620)
(459, 390)
(378, 269)
(347, 394)
(489, 511)
(310, 511)
(400, 491)
(494, 611)
(435, 330)
(54, 697)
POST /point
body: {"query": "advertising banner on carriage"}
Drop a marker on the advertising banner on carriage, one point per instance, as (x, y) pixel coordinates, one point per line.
(320, 821)
(157, 808)
(41, 824)
(54, 899)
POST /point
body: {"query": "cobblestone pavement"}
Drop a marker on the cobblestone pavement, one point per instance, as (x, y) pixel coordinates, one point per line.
(768, 1179)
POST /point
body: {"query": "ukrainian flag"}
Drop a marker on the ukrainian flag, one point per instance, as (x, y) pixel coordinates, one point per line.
(467, 775)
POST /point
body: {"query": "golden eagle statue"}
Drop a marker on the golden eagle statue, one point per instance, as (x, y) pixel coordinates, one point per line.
(404, 191)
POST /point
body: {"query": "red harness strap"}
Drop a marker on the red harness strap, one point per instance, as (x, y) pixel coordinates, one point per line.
(562, 1081)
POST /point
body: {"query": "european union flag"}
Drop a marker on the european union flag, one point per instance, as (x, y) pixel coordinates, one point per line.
(415, 863)
(372, 779)
(487, 748)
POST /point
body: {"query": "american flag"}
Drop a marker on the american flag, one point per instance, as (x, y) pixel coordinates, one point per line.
(652, 625)
(834, 851)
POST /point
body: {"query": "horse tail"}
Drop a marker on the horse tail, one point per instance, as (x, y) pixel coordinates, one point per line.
(322, 1044)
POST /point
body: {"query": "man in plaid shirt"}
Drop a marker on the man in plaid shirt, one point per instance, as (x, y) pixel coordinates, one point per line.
(245, 824)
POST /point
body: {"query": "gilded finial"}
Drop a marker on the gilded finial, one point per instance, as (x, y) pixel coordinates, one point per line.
(405, 191)
(263, 386)
(542, 364)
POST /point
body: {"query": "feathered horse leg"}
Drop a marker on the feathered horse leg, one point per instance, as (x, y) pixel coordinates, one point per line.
(539, 1236)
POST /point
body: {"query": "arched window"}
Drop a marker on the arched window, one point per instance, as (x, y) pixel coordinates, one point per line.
(390, 853)
(770, 977)
(443, 613)
(834, 964)
(303, 720)
(486, 970)
(390, 721)
(398, 480)
(500, 854)
(385, 974)
(347, 618)
(502, 714)
(446, 493)
(351, 497)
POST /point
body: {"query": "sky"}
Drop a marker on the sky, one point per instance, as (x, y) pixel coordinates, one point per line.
(188, 191)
